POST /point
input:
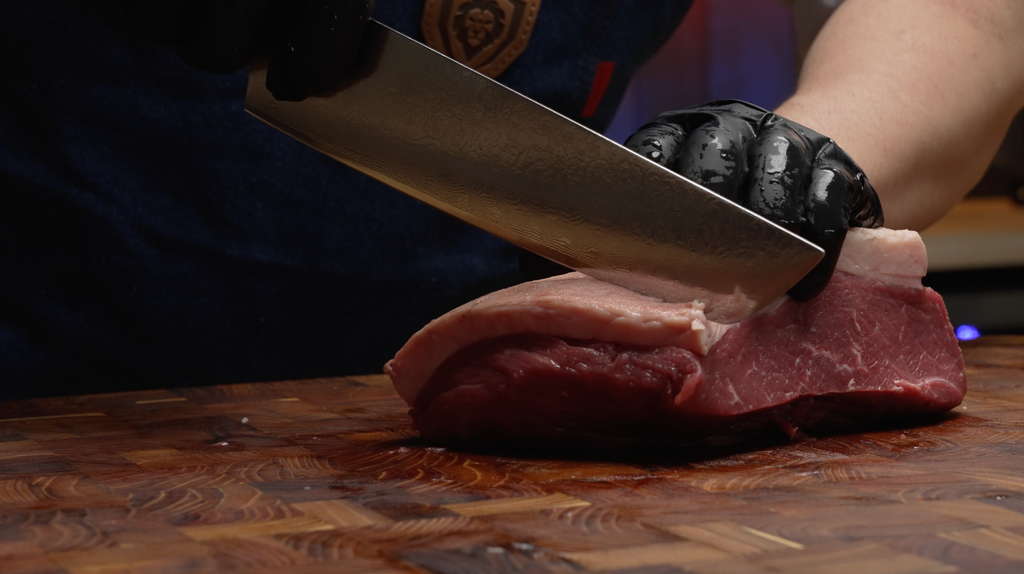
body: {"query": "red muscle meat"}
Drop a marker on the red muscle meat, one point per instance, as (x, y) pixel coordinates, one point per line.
(572, 361)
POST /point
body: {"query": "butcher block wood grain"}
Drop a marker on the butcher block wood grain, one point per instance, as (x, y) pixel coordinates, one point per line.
(327, 476)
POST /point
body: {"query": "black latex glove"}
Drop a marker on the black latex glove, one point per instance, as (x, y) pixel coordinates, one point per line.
(310, 43)
(779, 169)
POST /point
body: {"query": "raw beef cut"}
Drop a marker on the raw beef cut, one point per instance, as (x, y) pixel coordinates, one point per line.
(572, 361)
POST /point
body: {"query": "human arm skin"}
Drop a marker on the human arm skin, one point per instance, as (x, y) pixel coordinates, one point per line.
(919, 92)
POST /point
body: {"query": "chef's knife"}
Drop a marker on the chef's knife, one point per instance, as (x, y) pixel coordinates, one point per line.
(441, 132)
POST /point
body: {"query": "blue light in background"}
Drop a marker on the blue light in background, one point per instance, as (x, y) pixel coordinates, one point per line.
(967, 332)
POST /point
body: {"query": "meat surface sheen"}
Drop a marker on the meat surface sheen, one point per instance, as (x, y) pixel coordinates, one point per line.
(570, 306)
(572, 361)
(859, 336)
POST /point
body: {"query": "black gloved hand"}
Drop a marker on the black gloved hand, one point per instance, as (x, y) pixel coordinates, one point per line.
(778, 169)
(310, 43)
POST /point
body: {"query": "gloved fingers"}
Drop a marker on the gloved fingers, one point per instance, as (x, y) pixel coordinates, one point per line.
(223, 36)
(658, 142)
(817, 278)
(826, 219)
(705, 147)
(737, 109)
(319, 41)
(310, 43)
(865, 207)
(785, 172)
(714, 155)
(780, 169)
(861, 206)
(158, 21)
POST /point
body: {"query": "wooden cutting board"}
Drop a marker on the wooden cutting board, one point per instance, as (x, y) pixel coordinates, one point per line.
(326, 476)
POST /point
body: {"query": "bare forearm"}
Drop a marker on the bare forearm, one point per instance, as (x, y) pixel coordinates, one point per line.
(919, 92)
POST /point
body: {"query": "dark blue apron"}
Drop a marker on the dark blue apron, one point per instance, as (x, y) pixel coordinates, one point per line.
(152, 234)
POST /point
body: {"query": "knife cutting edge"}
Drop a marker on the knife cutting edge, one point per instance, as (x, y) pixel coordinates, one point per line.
(439, 131)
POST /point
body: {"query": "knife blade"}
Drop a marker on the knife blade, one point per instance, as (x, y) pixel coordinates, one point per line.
(439, 131)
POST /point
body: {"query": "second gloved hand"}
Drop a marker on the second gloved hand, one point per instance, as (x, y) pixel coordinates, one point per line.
(310, 43)
(777, 168)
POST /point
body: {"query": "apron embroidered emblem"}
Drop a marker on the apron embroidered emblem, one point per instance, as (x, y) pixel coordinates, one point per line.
(486, 35)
